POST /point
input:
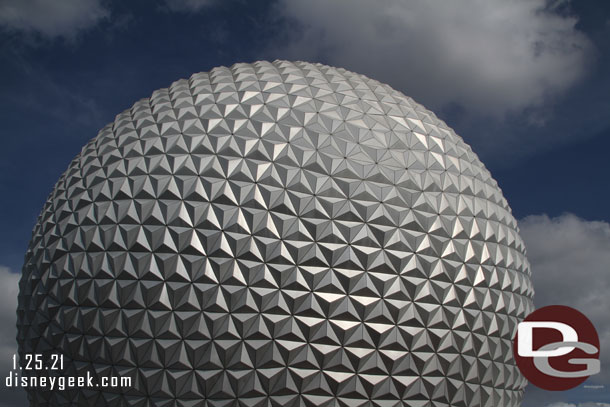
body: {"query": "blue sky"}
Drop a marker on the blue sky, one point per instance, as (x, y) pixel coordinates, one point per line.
(526, 83)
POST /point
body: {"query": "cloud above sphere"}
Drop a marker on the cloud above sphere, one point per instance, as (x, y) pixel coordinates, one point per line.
(491, 57)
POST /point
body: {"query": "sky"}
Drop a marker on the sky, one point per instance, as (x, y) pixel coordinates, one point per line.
(526, 83)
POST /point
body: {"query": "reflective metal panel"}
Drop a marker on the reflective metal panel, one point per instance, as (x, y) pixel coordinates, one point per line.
(278, 234)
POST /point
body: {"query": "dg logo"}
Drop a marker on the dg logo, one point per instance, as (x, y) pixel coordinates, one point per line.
(556, 348)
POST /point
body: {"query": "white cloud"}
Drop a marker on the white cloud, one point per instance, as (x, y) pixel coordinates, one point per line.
(491, 57)
(9, 288)
(570, 262)
(52, 19)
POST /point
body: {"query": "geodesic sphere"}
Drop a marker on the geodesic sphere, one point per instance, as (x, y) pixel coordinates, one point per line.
(277, 234)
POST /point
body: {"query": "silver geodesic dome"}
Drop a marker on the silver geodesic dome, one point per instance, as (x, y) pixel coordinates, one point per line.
(277, 234)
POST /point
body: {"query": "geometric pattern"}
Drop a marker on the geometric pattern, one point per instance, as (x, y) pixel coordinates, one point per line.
(278, 234)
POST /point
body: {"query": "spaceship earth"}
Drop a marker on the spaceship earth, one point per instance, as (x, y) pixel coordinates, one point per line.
(277, 234)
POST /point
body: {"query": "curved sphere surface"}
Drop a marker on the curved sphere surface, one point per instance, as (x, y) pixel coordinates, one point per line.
(277, 234)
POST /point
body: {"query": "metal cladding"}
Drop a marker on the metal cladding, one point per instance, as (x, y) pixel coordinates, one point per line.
(278, 234)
